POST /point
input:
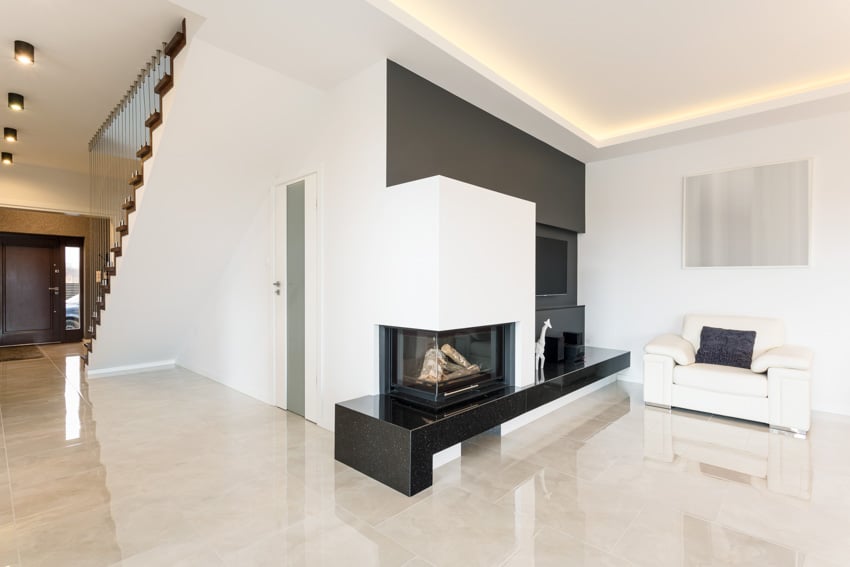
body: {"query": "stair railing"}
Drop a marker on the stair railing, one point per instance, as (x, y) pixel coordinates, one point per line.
(117, 152)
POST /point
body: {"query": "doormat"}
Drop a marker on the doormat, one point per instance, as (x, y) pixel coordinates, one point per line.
(19, 353)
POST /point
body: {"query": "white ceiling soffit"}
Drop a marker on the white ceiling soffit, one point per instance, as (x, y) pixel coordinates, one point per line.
(615, 71)
(317, 42)
(87, 54)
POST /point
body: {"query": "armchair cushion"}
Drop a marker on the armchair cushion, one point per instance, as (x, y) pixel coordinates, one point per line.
(786, 356)
(724, 379)
(673, 346)
(726, 347)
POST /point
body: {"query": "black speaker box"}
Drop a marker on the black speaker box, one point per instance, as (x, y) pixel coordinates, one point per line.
(573, 347)
(573, 338)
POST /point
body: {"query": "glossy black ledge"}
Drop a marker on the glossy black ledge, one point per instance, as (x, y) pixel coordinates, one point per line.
(394, 442)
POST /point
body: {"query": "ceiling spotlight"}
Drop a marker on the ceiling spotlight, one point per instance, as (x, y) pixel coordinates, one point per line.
(24, 52)
(10, 134)
(16, 101)
(6, 158)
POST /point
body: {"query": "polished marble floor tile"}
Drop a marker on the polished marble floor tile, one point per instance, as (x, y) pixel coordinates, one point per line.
(551, 548)
(332, 538)
(596, 514)
(170, 468)
(470, 530)
(9, 546)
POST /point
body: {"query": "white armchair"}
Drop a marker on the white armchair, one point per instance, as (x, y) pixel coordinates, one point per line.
(776, 389)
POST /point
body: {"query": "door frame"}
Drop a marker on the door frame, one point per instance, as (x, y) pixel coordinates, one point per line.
(312, 311)
(57, 279)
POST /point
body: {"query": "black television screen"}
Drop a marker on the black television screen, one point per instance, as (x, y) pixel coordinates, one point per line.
(551, 266)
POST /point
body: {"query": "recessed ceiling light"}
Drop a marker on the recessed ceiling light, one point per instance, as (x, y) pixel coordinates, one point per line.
(16, 101)
(24, 52)
(10, 134)
(6, 158)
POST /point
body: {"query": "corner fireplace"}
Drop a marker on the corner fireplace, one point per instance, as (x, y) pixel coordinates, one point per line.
(436, 369)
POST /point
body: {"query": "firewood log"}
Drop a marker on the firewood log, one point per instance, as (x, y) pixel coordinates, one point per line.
(452, 353)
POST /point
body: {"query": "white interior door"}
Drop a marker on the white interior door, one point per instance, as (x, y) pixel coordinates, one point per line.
(296, 297)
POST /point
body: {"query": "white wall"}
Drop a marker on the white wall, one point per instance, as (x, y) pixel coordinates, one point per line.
(43, 188)
(230, 340)
(194, 285)
(343, 140)
(630, 272)
(352, 180)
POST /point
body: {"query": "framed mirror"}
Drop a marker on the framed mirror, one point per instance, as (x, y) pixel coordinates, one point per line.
(750, 217)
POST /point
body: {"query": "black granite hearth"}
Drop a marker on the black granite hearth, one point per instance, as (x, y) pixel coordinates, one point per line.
(394, 442)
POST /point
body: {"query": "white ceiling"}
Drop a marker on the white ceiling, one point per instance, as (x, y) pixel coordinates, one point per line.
(593, 79)
(88, 53)
(619, 70)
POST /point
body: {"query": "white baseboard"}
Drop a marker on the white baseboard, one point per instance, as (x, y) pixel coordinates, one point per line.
(631, 378)
(536, 414)
(131, 369)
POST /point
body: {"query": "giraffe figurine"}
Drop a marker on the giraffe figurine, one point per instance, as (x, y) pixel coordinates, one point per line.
(541, 345)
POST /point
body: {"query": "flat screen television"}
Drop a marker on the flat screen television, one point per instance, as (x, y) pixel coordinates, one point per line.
(551, 266)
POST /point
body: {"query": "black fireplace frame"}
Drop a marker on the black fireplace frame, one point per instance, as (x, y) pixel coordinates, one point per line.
(441, 401)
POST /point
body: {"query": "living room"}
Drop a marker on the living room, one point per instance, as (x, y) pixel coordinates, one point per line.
(181, 468)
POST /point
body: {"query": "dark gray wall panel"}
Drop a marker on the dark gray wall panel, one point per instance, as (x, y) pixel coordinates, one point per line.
(433, 132)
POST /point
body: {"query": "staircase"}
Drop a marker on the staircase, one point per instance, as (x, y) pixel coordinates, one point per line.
(117, 155)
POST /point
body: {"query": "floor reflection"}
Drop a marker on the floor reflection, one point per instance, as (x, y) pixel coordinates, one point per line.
(710, 544)
(169, 468)
(57, 481)
(738, 451)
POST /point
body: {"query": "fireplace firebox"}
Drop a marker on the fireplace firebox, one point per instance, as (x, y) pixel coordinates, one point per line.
(440, 368)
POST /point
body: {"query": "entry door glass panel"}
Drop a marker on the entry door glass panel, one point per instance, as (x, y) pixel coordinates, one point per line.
(72, 288)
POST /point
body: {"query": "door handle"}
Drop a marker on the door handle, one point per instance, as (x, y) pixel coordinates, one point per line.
(55, 290)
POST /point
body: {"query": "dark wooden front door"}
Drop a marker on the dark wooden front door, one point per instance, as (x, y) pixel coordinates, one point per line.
(32, 307)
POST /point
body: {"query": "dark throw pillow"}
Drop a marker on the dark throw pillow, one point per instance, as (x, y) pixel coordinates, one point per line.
(726, 347)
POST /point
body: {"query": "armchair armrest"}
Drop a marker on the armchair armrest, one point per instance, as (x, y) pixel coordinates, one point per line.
(785, 356)
(673, 346)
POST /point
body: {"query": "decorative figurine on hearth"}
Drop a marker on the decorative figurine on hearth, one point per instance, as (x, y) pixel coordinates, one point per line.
(539, 357)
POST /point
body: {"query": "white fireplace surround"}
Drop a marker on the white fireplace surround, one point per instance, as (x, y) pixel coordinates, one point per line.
(459, 256)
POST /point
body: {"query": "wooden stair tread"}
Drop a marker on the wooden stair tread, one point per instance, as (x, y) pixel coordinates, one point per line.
(154, 120)
(122, 229)
(129, 206)
(164, 85)
(137, 180)
(178, 42)
(144, 152)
